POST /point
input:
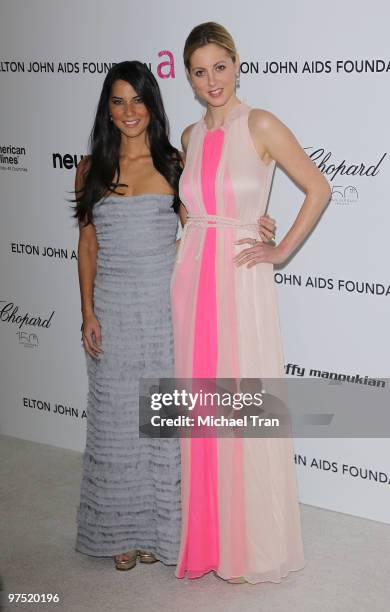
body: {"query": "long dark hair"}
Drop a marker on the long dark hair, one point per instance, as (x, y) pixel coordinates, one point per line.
(105, 141)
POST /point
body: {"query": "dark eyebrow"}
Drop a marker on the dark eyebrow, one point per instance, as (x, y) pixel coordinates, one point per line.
(120, 98)
(216, 64)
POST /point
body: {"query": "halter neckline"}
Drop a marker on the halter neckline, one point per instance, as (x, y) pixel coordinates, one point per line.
(231, 115)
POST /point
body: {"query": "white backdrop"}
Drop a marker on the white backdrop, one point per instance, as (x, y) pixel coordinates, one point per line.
(324, 70)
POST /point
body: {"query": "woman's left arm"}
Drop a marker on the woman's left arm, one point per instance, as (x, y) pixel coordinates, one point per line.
(274, 141)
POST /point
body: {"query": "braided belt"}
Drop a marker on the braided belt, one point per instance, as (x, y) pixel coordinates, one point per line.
(210, 221)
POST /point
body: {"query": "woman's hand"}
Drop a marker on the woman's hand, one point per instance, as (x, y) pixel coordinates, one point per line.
(267, 228)
(91, 337)
(258, 252)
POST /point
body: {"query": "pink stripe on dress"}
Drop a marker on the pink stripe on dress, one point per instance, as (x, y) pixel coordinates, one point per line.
(201, 550)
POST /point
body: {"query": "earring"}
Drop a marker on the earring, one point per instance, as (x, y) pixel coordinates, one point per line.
(110, 117)
(237, 80)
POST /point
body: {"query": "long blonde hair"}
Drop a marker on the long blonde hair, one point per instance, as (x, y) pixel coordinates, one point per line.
(204, 34)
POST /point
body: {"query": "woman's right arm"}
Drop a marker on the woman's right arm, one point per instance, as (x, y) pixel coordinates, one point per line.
(87, 254)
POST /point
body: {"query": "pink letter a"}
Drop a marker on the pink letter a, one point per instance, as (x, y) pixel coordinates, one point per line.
(171, 66)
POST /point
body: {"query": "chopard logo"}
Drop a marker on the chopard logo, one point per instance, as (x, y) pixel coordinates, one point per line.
(324, 162)
(10, 314)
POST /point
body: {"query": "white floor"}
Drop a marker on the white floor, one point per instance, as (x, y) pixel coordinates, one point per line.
(348, 559)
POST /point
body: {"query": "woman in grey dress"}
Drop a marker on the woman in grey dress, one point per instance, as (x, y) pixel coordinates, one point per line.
(127, 199)
(126, 193)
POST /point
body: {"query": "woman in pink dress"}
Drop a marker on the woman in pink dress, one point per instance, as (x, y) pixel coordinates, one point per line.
(239, 497)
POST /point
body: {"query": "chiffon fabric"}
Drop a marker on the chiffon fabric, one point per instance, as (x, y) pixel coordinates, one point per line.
(240, 513)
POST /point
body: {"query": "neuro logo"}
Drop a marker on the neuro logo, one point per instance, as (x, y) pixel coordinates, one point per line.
(66, 161)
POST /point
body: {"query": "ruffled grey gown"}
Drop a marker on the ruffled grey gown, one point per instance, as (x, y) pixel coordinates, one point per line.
(130, 491)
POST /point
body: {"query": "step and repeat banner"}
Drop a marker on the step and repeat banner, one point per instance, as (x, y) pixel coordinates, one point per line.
(324, 69)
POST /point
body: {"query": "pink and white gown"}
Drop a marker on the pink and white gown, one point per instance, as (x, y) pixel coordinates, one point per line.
(240, 513)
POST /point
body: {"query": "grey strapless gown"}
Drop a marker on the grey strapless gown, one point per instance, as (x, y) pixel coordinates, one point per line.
(130, 491)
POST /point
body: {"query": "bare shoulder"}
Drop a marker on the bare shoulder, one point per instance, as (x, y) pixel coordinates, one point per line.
(81, 171)
(270, 133)
(185, 137)
(83, 165)
(261, 121)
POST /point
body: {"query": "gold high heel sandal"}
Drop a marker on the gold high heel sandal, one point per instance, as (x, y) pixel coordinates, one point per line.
(146, 557)
(126, 564)
(238, 580)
